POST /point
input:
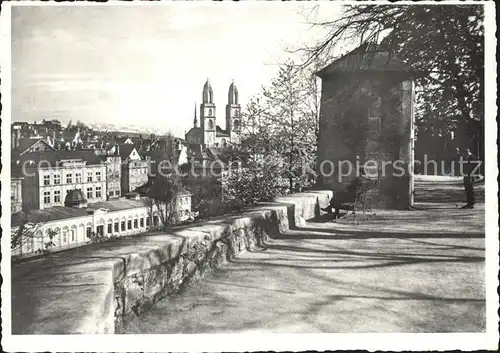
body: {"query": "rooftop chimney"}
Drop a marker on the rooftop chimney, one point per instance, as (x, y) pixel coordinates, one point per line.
(16, 136)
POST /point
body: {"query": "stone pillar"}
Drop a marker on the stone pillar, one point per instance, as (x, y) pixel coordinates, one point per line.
(406, 146)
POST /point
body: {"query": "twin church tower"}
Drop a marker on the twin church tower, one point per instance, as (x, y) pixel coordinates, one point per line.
(209, 134)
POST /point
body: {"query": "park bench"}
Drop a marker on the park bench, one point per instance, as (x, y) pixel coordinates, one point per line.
(360, 203)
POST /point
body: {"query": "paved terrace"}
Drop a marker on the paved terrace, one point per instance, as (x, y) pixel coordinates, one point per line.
(402, 271)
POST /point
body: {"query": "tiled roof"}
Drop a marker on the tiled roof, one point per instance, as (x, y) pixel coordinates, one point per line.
(195, 132)
(125, 150)
(53, 157)
(16, 171)
(365, 58)
(60, 212)
(220, 133)
(214, 152)
(27, 143)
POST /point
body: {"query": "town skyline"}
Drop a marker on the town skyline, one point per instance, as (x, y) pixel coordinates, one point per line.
(70, 64)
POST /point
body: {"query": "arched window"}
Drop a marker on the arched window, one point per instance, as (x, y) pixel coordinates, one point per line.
(236, 113)
(73, 234)
(65, 235)
(123, 224)
(89, 231)
(29, 245)
(109, 229)
(236, 124)
(129, 223)
(39, 240)
(210, 112)
(210, 124)
(224, 143)
(116, 227)
(56, 236)
(81, 233)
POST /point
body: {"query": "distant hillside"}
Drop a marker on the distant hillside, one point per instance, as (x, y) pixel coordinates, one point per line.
(126, 129)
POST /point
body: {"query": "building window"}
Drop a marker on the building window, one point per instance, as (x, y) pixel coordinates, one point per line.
(98, 176)
(78, 177)
(73, 235)
(69, 178)
(89, 232)
(89, 177)
(57, 179)
(46, 197)
(123, 226)
(136, 224)
(374, 127)
(29, 245)
(117, 227)
(46, 180)
(89, 193)
(57, 196)
(110, 228)
(98, 191)
(129, 224)
(65, 236)
(147, 221)
(142, 222)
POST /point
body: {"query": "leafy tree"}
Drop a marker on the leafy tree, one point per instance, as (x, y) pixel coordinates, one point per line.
(444, 42)
(254, 173)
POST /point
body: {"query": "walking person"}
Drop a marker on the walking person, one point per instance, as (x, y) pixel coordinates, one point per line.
(468, 160)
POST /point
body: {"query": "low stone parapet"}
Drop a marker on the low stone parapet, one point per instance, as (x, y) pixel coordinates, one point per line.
(128, 276)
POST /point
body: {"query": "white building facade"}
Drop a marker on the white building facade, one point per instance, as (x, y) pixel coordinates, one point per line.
(81, 224)
(47, 186)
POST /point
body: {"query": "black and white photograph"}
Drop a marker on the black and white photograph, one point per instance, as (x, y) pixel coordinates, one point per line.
(207, 176)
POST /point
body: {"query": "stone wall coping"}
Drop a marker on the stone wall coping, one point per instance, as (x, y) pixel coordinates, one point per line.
(90, 272)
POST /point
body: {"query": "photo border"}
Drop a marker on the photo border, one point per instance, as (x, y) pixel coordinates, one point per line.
(262, 342)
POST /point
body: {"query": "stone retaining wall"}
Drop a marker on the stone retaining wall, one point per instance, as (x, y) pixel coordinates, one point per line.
(93, 289)
(201, 249)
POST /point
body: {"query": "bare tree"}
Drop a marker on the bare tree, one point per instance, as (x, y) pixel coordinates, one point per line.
(443, 42)
(32, 232)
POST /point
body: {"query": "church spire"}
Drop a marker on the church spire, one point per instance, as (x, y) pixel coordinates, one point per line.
(208, 94)
(232, 94)
(195, 116)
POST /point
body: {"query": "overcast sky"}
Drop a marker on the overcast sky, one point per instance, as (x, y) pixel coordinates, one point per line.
(146, 65)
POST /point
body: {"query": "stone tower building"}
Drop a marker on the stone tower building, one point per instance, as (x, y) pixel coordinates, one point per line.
(366, 116)
(209, 134)
(233, 114)
(208, 115)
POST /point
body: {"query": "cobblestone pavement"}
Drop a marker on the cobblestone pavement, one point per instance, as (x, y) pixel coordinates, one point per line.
(401, 271)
